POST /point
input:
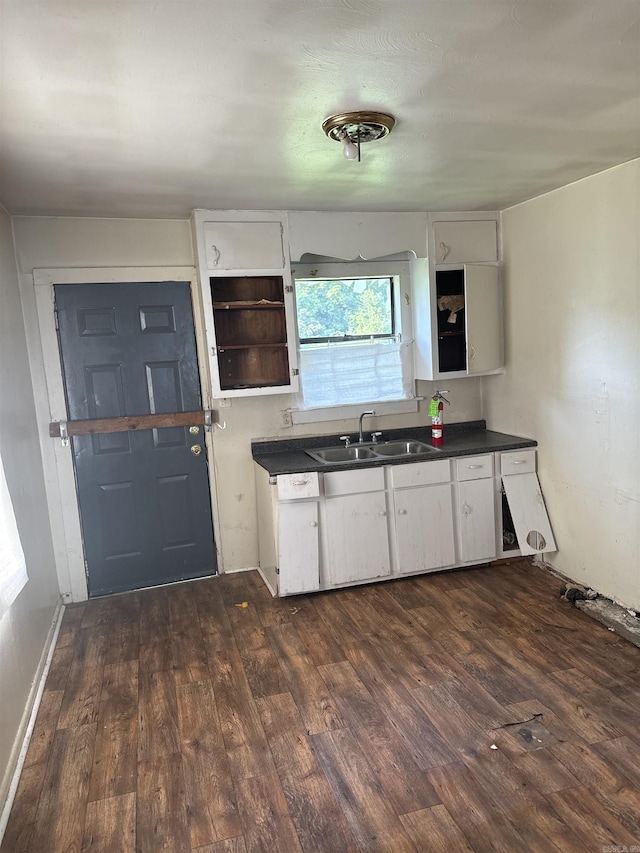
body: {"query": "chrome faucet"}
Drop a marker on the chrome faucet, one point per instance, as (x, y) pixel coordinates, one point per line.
(363, 415)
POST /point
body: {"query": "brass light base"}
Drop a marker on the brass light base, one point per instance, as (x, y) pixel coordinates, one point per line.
(360, 125)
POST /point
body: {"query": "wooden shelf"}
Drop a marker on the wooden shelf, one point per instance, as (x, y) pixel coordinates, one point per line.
(251, 331)
(248, 305)
(223, 347)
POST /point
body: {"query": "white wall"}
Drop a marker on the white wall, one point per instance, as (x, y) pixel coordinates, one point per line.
(572, 270)
(43, 242)
(24, 628)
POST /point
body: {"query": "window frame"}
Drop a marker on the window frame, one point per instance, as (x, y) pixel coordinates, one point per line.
(400, 273)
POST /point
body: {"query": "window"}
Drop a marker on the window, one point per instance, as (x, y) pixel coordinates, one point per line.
(13, 573)
(354, 333)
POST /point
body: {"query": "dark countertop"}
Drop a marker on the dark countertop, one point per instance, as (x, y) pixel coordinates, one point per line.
(287, 456)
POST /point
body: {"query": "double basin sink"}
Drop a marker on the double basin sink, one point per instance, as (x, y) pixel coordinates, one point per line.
(369, 452)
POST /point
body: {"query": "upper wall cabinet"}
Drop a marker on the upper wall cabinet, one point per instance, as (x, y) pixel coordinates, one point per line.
(465, 241)
(247, 301)
(243, 245)
(457, 298)
(350, 236)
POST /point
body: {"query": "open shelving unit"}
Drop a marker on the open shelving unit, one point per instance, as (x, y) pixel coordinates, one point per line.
(251, 332)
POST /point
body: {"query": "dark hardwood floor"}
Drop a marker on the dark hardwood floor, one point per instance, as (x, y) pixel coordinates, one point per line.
(470, 710)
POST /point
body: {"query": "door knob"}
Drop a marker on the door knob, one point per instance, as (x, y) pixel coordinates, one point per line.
(196, 449)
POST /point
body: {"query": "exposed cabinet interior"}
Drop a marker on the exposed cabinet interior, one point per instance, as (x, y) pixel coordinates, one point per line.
(509, 536)
(457, 321)
(250, 330)
(247, 301)
(450, 303)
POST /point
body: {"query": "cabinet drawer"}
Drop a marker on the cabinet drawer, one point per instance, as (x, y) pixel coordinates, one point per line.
(293, 486)
(420, 473)
(520, 462)
(461, 242)
(474, 467)
(352, 482)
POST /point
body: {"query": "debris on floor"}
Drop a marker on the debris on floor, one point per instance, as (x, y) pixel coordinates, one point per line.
(614, 617)
(529, 733)
(576, 592)
(243, 604)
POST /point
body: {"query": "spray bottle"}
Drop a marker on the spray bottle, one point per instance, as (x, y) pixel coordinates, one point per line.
(435, 413)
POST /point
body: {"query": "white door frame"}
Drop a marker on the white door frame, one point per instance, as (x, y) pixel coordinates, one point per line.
(46, 371)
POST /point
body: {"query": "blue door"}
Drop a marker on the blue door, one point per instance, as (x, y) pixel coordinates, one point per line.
(145, 508)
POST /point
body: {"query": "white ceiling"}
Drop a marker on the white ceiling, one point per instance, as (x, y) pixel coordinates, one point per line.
(154, 107)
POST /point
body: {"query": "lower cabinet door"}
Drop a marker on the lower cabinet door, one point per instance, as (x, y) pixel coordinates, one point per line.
(476, 520)
(424, 528)
(357, 538)
(298, 547)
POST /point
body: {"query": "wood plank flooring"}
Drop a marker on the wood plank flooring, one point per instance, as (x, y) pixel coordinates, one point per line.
(464, 711)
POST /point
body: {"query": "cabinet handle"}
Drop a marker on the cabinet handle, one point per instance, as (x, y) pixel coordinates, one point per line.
(382, 512)
(470, 467)
(519, 462)
(472, 352)
(313, 524)
(299, 482)
(466, 509)
(402, 512)
(216, 255)
(445, 251)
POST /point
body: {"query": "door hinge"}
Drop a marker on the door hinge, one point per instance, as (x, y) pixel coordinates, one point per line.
(295, 372)
(55, 317)
(86, 569)
(288, 288)
(277, 570)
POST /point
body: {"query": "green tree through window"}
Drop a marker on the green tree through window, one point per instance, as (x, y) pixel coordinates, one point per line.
(336, 309)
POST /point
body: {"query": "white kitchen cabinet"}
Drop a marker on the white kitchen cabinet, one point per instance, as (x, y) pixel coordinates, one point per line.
(289, 531)
(247, 301)
(322, 530)
(458, 321)
(356, 535)
(476, 520)
(298, 547)
(523, 522)
(465, 241)
(423, 520)
(475, 505)
(229, 240)
(525, 504)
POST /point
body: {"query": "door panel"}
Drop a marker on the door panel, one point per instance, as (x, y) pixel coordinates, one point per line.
(129, 349)
(483, 318)
(529, 513)
(476, 519)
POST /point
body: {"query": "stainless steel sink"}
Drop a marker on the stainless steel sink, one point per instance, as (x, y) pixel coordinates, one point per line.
(403, 448)
(368, 452)
(332, 455)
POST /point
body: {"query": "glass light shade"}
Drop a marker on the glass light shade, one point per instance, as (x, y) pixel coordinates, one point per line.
(350, 149)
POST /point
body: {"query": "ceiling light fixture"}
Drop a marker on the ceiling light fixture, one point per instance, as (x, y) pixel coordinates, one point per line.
(352, 129)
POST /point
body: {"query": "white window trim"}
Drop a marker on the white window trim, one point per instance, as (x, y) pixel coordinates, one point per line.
(401, 271)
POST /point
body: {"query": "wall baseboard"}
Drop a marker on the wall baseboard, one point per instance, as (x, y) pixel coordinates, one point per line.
(27, 723)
